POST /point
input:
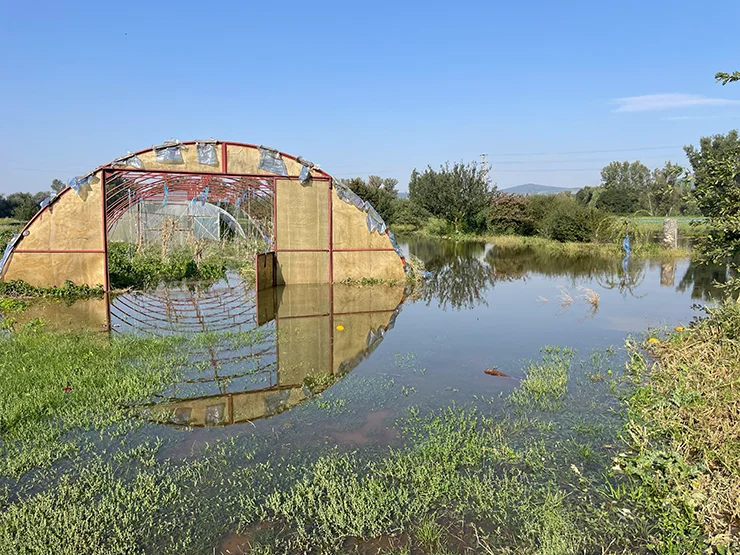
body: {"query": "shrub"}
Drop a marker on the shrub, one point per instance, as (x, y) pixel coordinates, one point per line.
(408, 213)
(562, 218)
(510, 214)
(437, 226)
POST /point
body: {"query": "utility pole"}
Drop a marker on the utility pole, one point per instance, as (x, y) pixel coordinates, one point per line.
(484, 166)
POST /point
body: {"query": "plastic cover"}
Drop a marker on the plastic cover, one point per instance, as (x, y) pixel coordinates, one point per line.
(169, 155)
(349, 196)
(373, 220)
(394, 243)
(305, 176)
(206, 153)
(166, 195)
(374, 337)
(77, 182)
(8, 250)
(132, 161)
(272, 161)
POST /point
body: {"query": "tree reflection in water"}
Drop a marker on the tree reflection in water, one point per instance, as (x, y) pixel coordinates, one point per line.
(462, 272)
(702, 279)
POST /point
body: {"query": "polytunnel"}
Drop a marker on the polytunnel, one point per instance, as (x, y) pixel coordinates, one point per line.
(314, 228)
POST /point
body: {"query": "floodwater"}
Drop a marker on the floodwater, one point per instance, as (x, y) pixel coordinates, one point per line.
(317, 366)
(484, 307)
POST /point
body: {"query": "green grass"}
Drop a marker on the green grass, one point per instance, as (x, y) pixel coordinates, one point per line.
(18, 289)
(546, 383)
(550, 477)
(148, 267)
(684, 428)
(51, 385)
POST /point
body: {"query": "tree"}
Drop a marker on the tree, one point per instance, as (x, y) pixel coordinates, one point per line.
(57, 185)
(378, 191)
(716, 166)
(24, 205)
(460, 194)
(669, 190)
(724, 78)
(626, 188)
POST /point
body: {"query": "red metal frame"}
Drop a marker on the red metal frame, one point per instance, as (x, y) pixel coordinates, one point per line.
(105, 228)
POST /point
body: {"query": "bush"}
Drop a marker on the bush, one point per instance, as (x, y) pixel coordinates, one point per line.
(437, 226)
(509, 214)
(408, 213)
(562, 218)
(149, 268)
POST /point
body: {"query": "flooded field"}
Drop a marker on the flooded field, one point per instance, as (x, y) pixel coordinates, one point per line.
(370, 419)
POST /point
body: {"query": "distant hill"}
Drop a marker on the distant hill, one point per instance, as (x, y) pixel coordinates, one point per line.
(534, 189)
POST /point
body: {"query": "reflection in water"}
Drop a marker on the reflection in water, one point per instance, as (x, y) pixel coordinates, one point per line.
(459, 276)
(702, 280)
(291, 342)
(319, 334)
(464, 271)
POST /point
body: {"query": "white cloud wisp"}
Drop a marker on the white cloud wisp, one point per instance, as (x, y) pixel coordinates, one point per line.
(655, 102)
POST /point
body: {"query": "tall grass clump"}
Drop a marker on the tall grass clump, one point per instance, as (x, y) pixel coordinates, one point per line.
(685, 426)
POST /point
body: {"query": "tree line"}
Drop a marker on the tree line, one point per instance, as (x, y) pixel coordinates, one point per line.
(23, 206)
(458, 198)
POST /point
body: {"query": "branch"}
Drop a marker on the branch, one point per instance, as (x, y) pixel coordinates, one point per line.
(724, 78)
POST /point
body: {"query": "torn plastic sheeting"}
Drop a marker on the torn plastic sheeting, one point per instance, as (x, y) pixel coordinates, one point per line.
(47, 201)
(132, 161)
(8, 250)
(169, 155)
(374, 336)
(374, 221)
(305, 176)
(272, 161)
(394, 243)
(350, 197)
(77, 182)
(206, 154)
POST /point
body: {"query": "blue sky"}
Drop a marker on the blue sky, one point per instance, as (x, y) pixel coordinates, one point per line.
(552, 91)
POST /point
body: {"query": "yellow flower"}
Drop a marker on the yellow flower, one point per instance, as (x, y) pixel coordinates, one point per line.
(680, 328)
(654, 341)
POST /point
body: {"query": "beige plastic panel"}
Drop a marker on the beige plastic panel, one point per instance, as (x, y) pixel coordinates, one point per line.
(303, 300)
(258, 404)
(352, 298)
(352, 340)
(82, 315)
(368, 264)
(350, 229)
(241, 159)
(302, 215)
(190, 161)
(302, 267)
(303, 348)
(71, 222)
(45, 269)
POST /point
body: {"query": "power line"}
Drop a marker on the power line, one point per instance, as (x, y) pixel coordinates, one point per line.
(587, 151)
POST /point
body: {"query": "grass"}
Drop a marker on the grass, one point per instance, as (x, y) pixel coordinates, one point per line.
(18, 289)
(546, 383)
(54, 384)
(684, 427)
(153, 264)
(550, 477)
